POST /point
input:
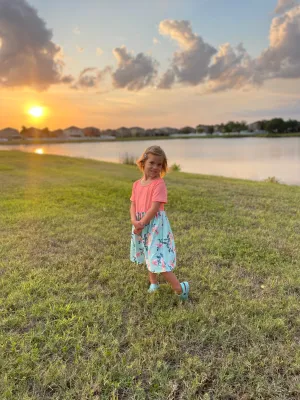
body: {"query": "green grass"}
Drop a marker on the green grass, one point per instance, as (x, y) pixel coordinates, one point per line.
(175, 168)
(76, 321)
(128, 159)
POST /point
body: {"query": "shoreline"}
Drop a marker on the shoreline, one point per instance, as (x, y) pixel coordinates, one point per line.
(268, 180)
(143, 138)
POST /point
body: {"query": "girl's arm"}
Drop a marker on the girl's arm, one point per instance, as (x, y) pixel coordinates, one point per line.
(150, 213)
(132, 212)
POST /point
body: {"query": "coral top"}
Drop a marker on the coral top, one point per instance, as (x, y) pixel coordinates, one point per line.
(143, 196)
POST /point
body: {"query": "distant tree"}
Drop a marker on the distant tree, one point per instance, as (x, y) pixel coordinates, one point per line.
(276, 125)
(241, 126)
(229, 127)
(292, 125)
(187, 129)
(222, 127)
(45, 132)
(23, 130)
(233, 126)
(263, 124)
(199, 129)
(210, 129)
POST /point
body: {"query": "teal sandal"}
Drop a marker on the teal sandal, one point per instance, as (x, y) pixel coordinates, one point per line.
(185, 291)
(153, 287)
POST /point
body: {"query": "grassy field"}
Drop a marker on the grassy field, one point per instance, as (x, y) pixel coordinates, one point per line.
(76, 321)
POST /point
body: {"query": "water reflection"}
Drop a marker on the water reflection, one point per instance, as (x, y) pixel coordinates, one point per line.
(248, 158)
(39, 151)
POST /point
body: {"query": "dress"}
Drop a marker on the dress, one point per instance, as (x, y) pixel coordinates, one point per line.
(155, 245)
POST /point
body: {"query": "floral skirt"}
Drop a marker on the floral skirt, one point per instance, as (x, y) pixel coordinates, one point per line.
(155, 245)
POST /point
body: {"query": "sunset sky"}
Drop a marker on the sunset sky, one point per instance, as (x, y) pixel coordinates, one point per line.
(148, 63)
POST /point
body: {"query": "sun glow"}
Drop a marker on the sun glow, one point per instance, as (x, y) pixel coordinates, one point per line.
(36, 111)
(39, 151)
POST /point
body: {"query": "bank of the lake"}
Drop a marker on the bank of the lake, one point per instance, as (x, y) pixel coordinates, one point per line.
(76, 319)
(126, 139)
(250, 158)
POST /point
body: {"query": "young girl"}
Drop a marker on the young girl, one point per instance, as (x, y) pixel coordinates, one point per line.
(152, 240)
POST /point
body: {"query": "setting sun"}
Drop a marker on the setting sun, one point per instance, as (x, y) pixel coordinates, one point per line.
(36, 111)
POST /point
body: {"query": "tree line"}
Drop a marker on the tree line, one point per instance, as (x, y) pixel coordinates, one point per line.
(275, 125)
(280, 125)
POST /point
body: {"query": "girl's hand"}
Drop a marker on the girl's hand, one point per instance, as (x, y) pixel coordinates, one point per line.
(138, 225)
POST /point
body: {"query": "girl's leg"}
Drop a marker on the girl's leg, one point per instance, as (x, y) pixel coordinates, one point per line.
(153, 278)
(173, 281)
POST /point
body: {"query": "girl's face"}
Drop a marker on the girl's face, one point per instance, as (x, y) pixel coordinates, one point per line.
(153, 166)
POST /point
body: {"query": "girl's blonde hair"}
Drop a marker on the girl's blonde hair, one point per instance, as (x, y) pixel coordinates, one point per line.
(156, 151)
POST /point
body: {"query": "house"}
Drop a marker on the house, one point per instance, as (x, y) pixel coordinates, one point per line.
(92, 132)
(168, 131)
(45, 133)
(203, 128)
(255, 126)
(156, 132)
(161, 132)
(137, 131)
(108, 132)
(9, 134)
(149, 132)
(218, 128)
(73, 132)
(57, 133)
(187, 129)
(33, 133)
(123, 132)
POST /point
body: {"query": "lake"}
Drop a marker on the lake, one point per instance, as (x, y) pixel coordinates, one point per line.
(246, 158)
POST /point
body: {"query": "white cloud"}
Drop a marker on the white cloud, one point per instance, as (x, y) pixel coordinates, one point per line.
(284, 5)
(167, 80)
(232, 68)
(28, 56)
(190, 65)
(134, 73)
(91, 78)
(282, 58)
